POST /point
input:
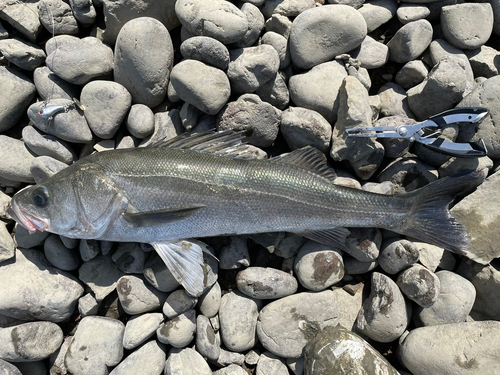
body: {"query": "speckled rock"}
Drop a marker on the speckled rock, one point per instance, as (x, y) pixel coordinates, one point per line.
(319, 34)
(186, 361)
(420, 285)
(339, 351)
(145, 78)
(207, 50)
(25, 55)
(397, 254)
(179, 331)
(410, 41)
(364, 244)
(286, 325)
(275, 92)
(137, 296)
(149, 359)
(265, 283)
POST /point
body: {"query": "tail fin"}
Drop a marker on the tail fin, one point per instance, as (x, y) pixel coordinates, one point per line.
(431, 221)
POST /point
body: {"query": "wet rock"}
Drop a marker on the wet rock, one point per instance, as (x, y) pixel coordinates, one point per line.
(467, 26)
(140, 328)
(24, 18)
(275, 92)
(207, 343)
(207, 50)
(238, 320)
(265, 283)
(34, 290)
(148, 359)
(106, 105)
(363, 154)
(79, 60)
(59, 255)
(318, 266)
(24, 55)
(304, 127)
(89, 249)
(410, 41)
(397, 254)
(235, 254)
(289, 246)
(158, 275)
(319, 34)
(217, 19)
(250, 113)
(280, 44)
(420, 285)
(209, 301)
(336, 350)
(179, 331)
(203, 86)
(140, 121)
(371, 54)
(100, 275)
(364, 244)
(411, 74)
(286, 325)
(16, 93)
(453, 304)
(57, 17)
(97, 343)
(7, 245)
(384, 315)
(464, 346)
(47, 145)
(378, 12)
(186, 361)
(137, 297)
(30, 341)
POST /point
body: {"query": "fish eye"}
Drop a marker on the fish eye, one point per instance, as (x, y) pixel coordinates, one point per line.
(40, 196)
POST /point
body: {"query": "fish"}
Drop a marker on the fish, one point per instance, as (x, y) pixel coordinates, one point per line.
(207, 184)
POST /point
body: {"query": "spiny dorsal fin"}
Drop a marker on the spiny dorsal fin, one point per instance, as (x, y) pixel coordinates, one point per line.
(308, 158)
(225, 143)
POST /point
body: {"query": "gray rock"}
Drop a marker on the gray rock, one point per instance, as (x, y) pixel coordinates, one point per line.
(167, 126)
(407, 174)
(97, 343)
(393, 101)
(378, 12)
(8, 369)
(410, 41)
(325, 78)
(318, 266)
(140, 121)
(238, 321)
(34, 290)
(289, 246)
(420, 285)
(349, 302)
(48, 145)
(106, 105)
(454, 302)
(339, 351)
(269, 364)
(205, 87)
(234, 254)
(158, 275)
(229, 370)
(179, 331)
(148, 41)
(364, 244)
(371, 54)
(384, 315)
(209, 301)
(89, 249)
(57, 17)
(217, 19)
(79, 60)
(304, 127)
(397, 254)
(448, 80)
(7, 245)
(486, 95)
(100, 275)
(44, 167)
(189, 116)
(50, 86)
(275, 92)
(207, 343)
(395, 147)
(16, 93)
(88, 305)
(129, 257)
(68, 124)
(84, 11)
(251, 67)
(227, 358)
(118, 12)
(280, 24)
(207, 50)
(411, 74)
(27, 241)
(286, 325)
(252, 357)
(412, 12)
(4, 205)
(433, 257)
(290, 8)
(140, 328)
(24, 18)
(249, 113)
(25, 55)
(265, 283)
(457, 165)
(186, 361)
(255, 21)
(352, 266)
(137, 297)
(462, 346)
(178, 302)
(485, 61)
(280, 44)
(467, 26)
(59, 255)
(478, 212)
(364, 154)
(149, 359)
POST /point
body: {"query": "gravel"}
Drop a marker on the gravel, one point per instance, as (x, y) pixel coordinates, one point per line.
(292, 73)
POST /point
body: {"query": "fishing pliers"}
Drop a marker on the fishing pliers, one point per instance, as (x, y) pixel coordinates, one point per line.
(426, 132)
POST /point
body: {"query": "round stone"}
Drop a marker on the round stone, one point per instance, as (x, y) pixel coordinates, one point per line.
(48, 145)
(179, 331)
(25, 55)
(420, 285)
(207, 50)
(186, 361)
(140, 328)
(209, 301)
(177, 303)
(136, 296)
(397, 254)
(265, 283)
(319, 34)
(148, 359)
(16, 160)
(59, 255)
(410, 41)
(140, 121)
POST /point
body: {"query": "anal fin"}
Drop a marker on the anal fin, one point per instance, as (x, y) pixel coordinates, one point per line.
(332, 237)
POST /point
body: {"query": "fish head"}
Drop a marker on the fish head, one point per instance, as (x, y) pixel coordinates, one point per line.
(76, 202)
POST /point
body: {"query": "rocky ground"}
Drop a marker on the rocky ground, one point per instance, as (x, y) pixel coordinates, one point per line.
(296, 73)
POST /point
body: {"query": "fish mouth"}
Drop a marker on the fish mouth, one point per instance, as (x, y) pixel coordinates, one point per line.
(31, 222)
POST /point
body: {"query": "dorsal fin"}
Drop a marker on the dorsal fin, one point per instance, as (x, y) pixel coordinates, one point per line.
(308, 158)
(226, 143)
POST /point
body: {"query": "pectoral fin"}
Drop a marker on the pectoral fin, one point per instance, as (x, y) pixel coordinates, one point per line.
(331, 237)
(159, 217)
(184, 259)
